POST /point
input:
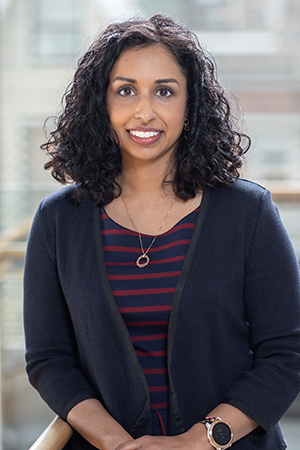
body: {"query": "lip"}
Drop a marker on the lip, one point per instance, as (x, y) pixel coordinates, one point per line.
(145, 140)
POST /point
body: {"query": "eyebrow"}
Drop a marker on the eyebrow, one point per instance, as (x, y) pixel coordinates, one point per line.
(129, 80)
(132, 81)
(166, 80)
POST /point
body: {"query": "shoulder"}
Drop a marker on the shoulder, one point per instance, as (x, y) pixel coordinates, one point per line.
(242, 194)
(61, 211)
(246, 188)
(244, 202)
(60, 198)
(246, 213)
(63, 202)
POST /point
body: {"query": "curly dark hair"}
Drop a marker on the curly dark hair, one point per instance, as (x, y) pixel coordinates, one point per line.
(83, 148)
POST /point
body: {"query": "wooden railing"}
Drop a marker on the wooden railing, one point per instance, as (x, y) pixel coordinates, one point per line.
(16, 233)
(11, 245)
(283, 191)
(55, 436)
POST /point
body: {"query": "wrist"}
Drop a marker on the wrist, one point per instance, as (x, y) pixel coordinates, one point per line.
(198, 434)
(218, 432)
(110, 441)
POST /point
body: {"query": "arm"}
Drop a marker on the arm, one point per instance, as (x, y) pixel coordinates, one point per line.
(196, 437)
(97, 426)
(51, 345)
(272, 305)
(50, 341)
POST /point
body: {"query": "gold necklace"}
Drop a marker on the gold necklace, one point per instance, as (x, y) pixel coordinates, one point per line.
(144, 255)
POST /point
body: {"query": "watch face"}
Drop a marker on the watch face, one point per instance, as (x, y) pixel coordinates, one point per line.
(221, 433)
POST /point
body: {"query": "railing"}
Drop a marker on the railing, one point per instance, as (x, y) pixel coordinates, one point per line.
(13, 247)
(283, 191)
(55, 436)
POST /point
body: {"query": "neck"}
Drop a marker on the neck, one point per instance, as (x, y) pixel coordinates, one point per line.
(144, 181)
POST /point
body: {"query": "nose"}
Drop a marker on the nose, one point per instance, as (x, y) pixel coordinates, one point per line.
(145, 110)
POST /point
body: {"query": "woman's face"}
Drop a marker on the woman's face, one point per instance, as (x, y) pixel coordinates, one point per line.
(146, 102)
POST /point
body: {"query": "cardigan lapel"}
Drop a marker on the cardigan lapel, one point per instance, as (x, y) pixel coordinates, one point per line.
(176, 306)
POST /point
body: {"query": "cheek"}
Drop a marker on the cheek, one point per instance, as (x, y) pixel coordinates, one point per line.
(118, 115)
(113, 115)
(177, 116)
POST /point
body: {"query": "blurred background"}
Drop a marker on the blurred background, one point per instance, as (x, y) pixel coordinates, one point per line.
(256, 46)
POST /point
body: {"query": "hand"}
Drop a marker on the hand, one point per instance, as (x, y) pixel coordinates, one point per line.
(193, 439)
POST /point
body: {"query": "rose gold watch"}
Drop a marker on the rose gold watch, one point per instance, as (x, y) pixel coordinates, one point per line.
(219, 432)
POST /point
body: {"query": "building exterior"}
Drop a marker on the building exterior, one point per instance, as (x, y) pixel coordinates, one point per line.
(256, 45)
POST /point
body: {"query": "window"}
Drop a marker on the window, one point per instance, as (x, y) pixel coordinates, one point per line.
(56, 33)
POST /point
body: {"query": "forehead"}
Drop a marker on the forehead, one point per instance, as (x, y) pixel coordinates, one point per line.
(153, 60)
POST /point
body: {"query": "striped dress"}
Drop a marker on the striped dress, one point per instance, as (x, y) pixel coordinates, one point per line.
(144, 297)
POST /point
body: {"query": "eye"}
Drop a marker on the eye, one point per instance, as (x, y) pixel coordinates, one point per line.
(164, 92)
(126, 91)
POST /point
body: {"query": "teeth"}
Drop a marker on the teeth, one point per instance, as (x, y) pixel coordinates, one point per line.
(143, 134)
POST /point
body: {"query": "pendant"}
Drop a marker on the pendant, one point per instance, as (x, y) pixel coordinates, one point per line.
(142, 264)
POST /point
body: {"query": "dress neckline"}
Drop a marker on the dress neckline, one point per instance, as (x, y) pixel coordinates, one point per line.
(102, 209)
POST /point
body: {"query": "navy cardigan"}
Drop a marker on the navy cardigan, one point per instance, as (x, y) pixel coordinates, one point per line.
(234, 333)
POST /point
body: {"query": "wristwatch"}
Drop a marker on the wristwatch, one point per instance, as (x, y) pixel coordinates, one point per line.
(219, 432)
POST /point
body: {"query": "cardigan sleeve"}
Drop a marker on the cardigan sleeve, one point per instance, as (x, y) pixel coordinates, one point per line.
(50, 341)
(272, 304)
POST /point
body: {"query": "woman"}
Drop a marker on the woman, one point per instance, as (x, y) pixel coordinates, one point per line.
(161, 292)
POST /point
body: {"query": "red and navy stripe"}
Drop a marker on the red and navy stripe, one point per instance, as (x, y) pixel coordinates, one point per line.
(144, 296)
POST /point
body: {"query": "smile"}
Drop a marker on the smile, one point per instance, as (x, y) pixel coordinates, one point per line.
(144, 134)
(145, 137)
